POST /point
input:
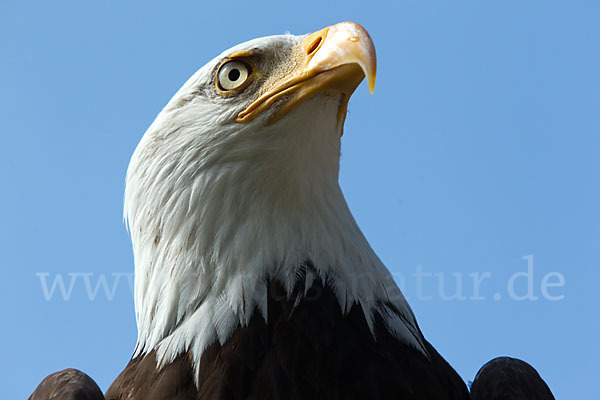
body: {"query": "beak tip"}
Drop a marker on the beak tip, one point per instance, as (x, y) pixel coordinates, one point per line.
(371, 83)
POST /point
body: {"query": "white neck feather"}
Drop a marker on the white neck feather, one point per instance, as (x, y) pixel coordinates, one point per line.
(212, 221)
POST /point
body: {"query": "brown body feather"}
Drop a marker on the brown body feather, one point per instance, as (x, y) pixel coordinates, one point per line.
(310, 351)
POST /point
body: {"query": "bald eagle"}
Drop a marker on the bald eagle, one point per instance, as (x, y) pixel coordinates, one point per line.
(252, 278)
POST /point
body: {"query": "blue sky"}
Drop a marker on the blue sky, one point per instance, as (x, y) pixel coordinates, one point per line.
(479, 148)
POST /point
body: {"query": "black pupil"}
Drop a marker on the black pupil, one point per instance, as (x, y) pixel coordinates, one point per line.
(234, 75)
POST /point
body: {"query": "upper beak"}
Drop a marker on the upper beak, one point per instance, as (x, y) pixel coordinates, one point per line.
(334, 59)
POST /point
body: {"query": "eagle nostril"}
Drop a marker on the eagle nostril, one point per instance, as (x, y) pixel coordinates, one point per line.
(314, 46)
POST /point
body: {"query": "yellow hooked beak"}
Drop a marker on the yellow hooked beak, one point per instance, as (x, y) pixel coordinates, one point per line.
(334, 59)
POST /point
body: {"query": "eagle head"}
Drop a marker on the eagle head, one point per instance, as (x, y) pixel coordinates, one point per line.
(236, 183)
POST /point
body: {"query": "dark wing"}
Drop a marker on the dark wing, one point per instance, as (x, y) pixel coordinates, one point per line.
(506, 378)
(68, 384)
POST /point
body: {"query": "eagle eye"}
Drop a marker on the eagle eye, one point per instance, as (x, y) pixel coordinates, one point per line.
(232, 75)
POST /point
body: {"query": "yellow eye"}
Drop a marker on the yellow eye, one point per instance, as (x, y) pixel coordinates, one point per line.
(232, 75)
